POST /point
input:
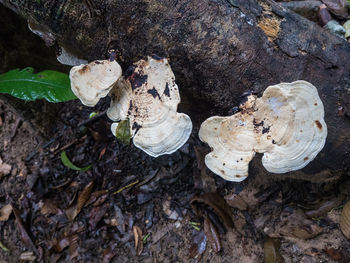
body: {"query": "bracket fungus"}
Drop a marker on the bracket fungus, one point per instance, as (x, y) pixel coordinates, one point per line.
(94, 81)
(286, 124)
(148, 96)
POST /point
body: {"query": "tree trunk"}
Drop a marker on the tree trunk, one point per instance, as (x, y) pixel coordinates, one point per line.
(218, 49)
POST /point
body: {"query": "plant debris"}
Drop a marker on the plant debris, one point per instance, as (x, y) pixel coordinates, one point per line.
(69, 164)
(345, 220)
(5, 212)
(271, 251)
(138, 239)
(212, 234)
(83, 197)
(5, 169)
(218, 204)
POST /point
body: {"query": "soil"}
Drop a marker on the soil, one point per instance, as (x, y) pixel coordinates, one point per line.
(126, 190)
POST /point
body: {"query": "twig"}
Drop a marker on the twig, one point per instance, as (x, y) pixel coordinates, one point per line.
(92, 119)
(17, 124)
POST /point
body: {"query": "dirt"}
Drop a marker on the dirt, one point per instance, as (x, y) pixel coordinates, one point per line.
(125, 188)
(32, 185)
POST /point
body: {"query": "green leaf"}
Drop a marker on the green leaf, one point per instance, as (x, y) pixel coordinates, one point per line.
(69, 164)
(2, 246)
(50, 85)
(123, 132)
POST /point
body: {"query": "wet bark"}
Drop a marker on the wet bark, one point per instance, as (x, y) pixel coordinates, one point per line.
(218, 49)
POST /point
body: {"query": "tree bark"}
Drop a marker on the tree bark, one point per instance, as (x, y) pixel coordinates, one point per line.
(218, 49)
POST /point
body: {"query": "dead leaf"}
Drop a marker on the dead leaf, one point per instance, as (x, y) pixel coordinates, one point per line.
(198, 246)
(108, 254)
(62, 244)
(160, 233)
(207, 182)
(21, 229)
(49, 208)
(341, 255)
(345, 220)
(271, 251)
(97, 196)
(337, 7)
(74, 246)
(96, 214)
(102, 153)
(325, 206)
(5, 212)
(236, 201)
(5, 169)
(171, 214)
(334, 253)
(295, 224)
(84, 195)
(212, 234)
(27, 256)
(138, 239)
(219, 205)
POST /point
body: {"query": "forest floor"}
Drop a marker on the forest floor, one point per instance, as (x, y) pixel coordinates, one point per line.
(176, 208)
(130, 207)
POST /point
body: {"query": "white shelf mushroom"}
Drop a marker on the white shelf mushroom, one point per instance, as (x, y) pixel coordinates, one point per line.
(148, 97)
(94, 81)
(286, 124)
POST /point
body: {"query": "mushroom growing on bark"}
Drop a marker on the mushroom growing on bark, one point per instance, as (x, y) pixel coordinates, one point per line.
(286, 124)
(148, 97)
(94, 81)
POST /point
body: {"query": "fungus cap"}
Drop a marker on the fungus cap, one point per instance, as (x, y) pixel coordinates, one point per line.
(286, 124)
(148, 97)
(93, 81)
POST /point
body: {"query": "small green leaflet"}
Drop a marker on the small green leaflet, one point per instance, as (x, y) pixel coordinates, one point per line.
(123, 131)
(348, 4)
(50, 85)
(69, 164)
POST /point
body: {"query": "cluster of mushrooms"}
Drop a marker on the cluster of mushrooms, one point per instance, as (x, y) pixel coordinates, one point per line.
(286, 124)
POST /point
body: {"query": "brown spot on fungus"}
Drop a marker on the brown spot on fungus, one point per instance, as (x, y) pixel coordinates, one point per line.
(84, 69)
(319, 125)
(306, 158)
